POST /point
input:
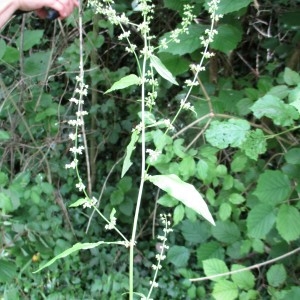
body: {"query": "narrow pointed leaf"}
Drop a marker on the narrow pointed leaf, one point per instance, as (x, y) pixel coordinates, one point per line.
(184, 192)
(124, 83)
(162, 70)
(78, 202)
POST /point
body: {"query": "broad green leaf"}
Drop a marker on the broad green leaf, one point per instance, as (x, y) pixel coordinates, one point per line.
(37, 64)
(227, 39)
(209, 250)
(276, 275)
(273, 187)
(187, 167)
(30, 39)
(78, 202)
(178, 256)
(255, 144)
(291, 77)
(225, 211)
(178, 214)
(75, 248)
(188, 42)
(124, 82)
(2, 48)
(293, 156)
(227, 133)
(5, 203)
(214, 266)
(3, 179)
(288, 222)
(195, 232)
(131, 146)
(4, 135)
(11, 55)
(125, 184)
(161, 69)
(228, 6)
(244, 280)
(8, 271)
(167, 201)
(225, 289)
(260, 221)
(184, 192)
(236, 198)
(274, 108)
(202, 169)
(226, 232)
(174, 63)
(116, 197)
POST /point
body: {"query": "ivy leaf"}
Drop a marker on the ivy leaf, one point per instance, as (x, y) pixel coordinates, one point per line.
(214, 266)
(75, 248)
(227, 38)
(184, 192)
(162, 70)
(254, 144)
(223, 134)
(260, 221)
(131, 146)
(288, 222)
(124, 82)
(225, 289)
(272, 107)
(273, 187)
(276, 275)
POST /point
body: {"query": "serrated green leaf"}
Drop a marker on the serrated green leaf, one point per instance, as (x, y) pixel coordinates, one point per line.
(276, 275)
(288, 222)
(293, 156)
(260, 221)
(244, 280)
(227, 39)
(131, 146)
(178, 256)
(236, 198)
(273, 187)
(187, 167)
(162, 70)
(291, 77)
(274, 108)
(30, 38)
(214, 266)
(226, 232)
(210, 250)
(195, 231)
(254, 144)
(78, 202)
(225, 289)
(228, 6)
(184, 192)
(225, 211)
(124, 82)
(227, 133)
(116, 197)
(75, 248)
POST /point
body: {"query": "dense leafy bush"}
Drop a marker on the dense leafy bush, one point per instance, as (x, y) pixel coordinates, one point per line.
(239, 148)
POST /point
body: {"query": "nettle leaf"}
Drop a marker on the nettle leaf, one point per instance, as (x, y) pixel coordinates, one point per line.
(227, 39)
(244, 280)
(273, 187)
(214, 266)
(124, 82)
(75, 248)
(184, 192)
(272, 107)
(288, 222)
(255, 144)
(226, 232)
(195, 231)
(225, 289)
(131, 146)
(161, 69)
(276, 275)
(260, 221)
(227, 133)
(291, 77)
(188, 42)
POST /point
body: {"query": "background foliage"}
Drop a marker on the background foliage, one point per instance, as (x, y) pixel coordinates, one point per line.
(241, 151)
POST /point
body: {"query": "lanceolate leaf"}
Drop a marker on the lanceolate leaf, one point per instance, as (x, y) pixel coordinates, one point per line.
(161, 69)
(288, 222)
(127, 162)
(124, 83)
(76, 247)
(184, 192)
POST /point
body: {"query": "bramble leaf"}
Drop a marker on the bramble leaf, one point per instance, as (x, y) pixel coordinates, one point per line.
(178, 256)
(273, 187)
(272, 107)
(288, 222)
(214, 266)
(225, 289)
(124, 82)
(228, 6)
(227, 133)
(244, 280)
(276, 275)
(184, 192)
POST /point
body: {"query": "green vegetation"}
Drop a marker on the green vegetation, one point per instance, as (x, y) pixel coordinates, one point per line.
(228, 140)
